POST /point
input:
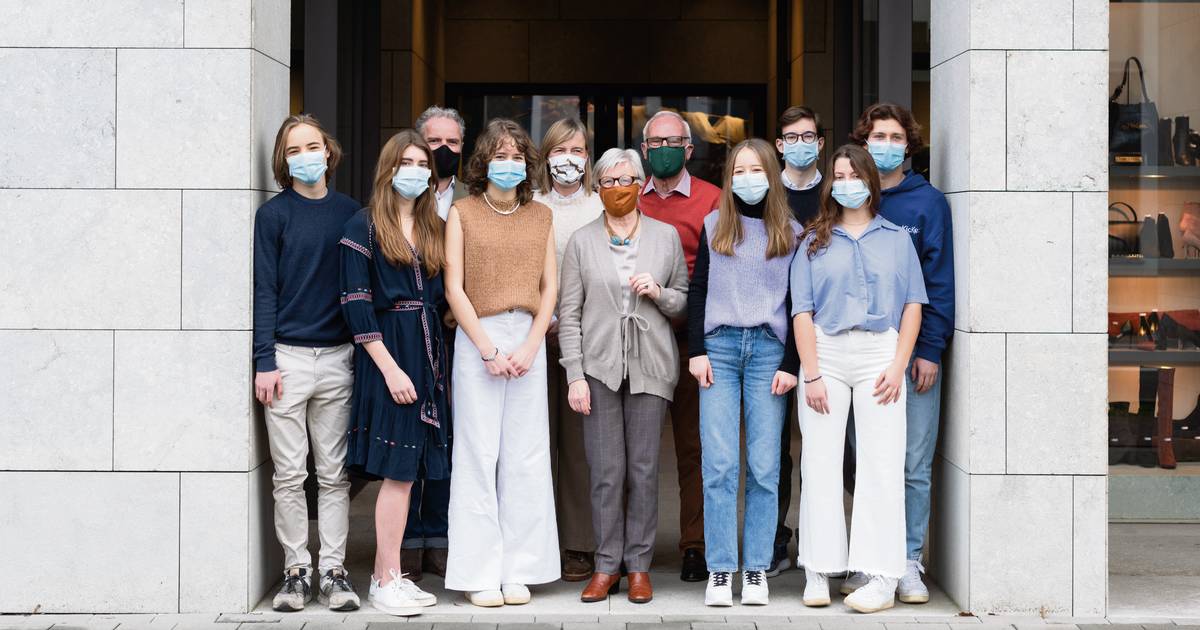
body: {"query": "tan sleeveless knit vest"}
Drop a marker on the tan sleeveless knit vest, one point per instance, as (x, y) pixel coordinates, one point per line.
(503, 255)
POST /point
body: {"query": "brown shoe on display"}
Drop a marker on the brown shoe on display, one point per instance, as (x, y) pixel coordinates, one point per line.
(577, 566)
(410, 563)
(600, 587)
(434, 561)
(640, 591)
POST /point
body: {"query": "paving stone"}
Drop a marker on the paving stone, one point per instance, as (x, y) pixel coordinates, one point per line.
(665, 625)
(250, 618)
(915, 625)
(446, 618)
(463, 626)
(603, 625)
(797, 625)
(348, 623)
(508, 621)
(709, 625)
(977, 626)
(561, 619)
(849, 624)
(505, 624)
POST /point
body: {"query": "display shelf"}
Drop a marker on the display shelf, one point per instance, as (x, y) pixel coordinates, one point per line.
(1133, 356)
(1152, 267)
(1187, 174)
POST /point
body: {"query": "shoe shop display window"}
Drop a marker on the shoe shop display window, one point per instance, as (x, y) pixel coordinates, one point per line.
(1154, 262)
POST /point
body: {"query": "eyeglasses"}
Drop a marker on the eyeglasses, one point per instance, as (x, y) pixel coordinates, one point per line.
(672, 141)
(808, 137)
(624, 180)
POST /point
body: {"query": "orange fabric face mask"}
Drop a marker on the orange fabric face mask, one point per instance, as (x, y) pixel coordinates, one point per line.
(620, 200)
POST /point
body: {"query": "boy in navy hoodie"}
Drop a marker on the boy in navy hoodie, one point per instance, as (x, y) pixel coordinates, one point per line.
(891, 134)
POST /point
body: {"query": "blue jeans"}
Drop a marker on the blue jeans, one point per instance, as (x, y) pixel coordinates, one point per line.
(744, 361)
(428, 521)
(924, 413)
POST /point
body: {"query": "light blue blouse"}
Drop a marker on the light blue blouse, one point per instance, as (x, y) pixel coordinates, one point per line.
(858, 284)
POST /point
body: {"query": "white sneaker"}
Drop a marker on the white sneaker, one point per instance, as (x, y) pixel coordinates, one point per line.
(392, 598)
(515, 594)
(853, 583)
(718, 592)
(878, 594)
(416, 594)
(816, 589)
(754, 588)
(486, 599)
(912, 590)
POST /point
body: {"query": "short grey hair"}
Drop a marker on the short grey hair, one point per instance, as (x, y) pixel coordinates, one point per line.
(440, 112)
(667, 113)
(614, 157)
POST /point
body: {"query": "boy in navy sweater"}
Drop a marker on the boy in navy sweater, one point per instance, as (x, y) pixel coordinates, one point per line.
(303, 357)
(891, 134)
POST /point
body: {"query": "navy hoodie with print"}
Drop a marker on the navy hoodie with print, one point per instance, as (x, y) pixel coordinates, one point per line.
(915, 205)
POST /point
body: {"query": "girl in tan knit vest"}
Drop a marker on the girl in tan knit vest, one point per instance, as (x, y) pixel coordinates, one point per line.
(501, 283)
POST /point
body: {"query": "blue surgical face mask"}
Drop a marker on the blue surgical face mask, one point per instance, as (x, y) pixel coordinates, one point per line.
(750, 187)
(307, 167)
(800, 154)
(411, 181)
(506, 174)
(851, 193)
(888, 155)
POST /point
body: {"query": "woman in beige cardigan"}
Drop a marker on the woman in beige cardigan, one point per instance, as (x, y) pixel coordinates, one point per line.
(624, 276)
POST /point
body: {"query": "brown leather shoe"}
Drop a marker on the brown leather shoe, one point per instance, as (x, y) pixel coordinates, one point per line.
(577, 566)
(640, 591)
(600, 587)
(434, 561)
(410, 563)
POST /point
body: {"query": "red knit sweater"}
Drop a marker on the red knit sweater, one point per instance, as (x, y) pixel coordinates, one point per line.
(686, 213)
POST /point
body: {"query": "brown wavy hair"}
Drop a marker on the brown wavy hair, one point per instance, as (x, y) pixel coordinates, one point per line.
(279, 165)
(497, 131)
(428, 227)
(889, 111)
(831, 211)
(781, 236)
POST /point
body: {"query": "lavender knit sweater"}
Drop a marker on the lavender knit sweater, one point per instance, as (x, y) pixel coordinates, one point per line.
(747, 289)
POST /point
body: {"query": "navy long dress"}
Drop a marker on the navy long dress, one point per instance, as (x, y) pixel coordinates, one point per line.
(399, 306)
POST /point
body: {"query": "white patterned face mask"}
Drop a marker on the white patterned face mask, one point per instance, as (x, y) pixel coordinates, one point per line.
(566, 169)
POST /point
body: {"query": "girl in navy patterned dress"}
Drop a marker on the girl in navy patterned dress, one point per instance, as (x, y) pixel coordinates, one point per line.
(392, 297)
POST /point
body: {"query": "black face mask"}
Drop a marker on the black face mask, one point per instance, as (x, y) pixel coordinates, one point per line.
(446, 161)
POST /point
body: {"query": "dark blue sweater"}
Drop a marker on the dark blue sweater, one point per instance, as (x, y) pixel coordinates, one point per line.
(296, 273)
(922, 211)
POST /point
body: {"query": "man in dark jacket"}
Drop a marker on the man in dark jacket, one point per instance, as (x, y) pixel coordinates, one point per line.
(891, 134)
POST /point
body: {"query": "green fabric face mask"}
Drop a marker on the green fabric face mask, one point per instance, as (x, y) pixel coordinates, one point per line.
(666, 161)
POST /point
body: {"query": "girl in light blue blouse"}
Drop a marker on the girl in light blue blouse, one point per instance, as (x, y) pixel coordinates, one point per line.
(857, 292)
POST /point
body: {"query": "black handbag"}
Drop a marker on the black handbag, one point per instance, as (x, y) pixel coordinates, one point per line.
(1122, 230)
(1132, 127)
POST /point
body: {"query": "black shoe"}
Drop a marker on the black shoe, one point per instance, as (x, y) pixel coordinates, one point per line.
(779, 563)
(694, 567)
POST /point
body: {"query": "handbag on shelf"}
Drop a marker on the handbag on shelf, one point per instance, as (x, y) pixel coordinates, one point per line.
(1123, 230)
(1133, 127)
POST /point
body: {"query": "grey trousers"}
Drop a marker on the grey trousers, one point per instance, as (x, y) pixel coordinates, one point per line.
(621, 439)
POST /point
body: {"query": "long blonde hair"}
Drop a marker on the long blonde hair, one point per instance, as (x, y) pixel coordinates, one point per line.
(561, 131)
(428, 227)
(777, 216)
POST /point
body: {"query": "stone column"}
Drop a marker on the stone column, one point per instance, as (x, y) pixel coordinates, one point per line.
(1020, 147)
(133, 472)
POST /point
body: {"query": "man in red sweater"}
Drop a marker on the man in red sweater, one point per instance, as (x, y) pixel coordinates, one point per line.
(673, 196)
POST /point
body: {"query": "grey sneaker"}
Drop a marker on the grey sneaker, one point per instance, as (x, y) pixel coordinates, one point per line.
(336, 590)
(296, 591)
(853, 582)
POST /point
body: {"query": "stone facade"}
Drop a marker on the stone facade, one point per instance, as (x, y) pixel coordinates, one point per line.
(138, 134)
(1019, 147)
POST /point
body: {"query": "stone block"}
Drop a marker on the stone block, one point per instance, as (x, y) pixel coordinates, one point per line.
(950, 531)
(1030, 518)
(967, 102)
(1090, 25)
(741, 57)
(1020, 24)
(56, 400)
(1090, 545)
(1089, 264)
(89, 513)
(1057, 99)
(1057, 420)
(113, 261)
(184, 118)
(88, 24)
(505, 59)
(182, 401)
(59, 133)
(1019, 262)
(214, 552)
(953, 34)
(272, 33)
(217, 23)
(973, 423)
(218, 230)
(271, 107)
(622, 64)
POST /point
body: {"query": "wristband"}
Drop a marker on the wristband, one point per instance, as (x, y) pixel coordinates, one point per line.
(495, 353)
(813, 380)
